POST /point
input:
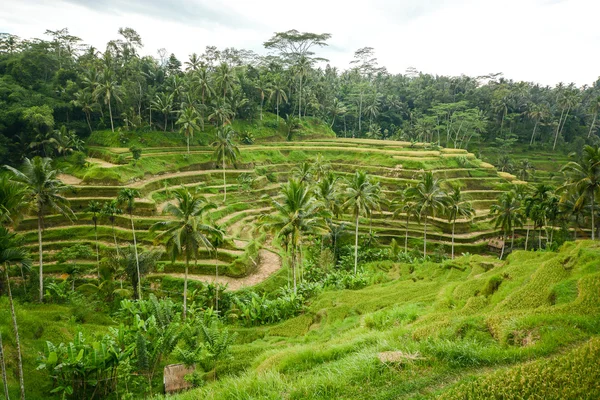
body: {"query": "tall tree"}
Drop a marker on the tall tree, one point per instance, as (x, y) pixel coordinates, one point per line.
(127, 196)
(506, 213)
(456, 206)
(583, 179)
(429, 199)
(225, 151)
(361, 196)
(297, 216)
(108, 89)
(188, 122)
(95, 208)
(44, 192)
(187, 233)
(110, 210)
(12, 253)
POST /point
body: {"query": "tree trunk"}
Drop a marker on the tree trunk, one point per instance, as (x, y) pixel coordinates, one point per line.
(41, 257)
(137, 259)
(406, 234)
(360, 112)
(112, 126)
(425, 239)
(17, 340)
(188, 144)
(3, 366)
(533, 134)
(166, 122)
(115, 238)
(300, 100)
(185, 285)
(592, 126)
(294, 266)
(278, 111)
(558, 128)
(503, 245)
(87, 117)
(97, 251)
(224, 182)
(527, 238)
(262, 100)
(217, 280)
(593, 222)
(356, 247)
(453, 226)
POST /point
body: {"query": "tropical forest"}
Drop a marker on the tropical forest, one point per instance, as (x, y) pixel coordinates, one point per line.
(267, 225)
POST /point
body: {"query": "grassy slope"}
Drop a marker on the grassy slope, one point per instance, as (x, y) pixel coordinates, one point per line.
(464, 319)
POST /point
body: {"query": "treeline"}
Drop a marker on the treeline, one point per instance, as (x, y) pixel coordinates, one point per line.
(59, 81)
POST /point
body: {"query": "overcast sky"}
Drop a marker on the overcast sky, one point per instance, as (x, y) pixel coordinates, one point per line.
(544, 41)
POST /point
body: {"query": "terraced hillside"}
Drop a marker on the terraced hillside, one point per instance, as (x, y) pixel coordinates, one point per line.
(472, 328)
(251, 186)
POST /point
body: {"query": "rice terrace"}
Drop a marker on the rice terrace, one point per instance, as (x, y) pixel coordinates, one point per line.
(270, 226)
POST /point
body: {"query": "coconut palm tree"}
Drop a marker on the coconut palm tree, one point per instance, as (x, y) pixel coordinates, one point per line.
(277, 90)
(95, 208)
(13, 205)
(127, 196)
(225, 79)
(524, 170)
(301, 70)
(12, 253)
(456, 206)
(505, 214)
(403, 204)
(108, 89)
(537, 112)
(361, 196)
(110, 210)
(187, 233)
(225, 151)
(163, 103)
(297, 216)
(44, 193)
(188, 122)
(594, 109)
(337, 109)
(429, 199)
(583, 179)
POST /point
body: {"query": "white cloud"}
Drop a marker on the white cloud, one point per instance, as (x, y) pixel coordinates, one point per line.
(534, 40)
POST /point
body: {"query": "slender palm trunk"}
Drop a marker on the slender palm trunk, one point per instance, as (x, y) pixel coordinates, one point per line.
(406, 234)
(262, 100)
(300, 100)
(512, 240)
(540, 238)
(294, 266)
(527, 237)
(332, 122)
(593, 222)
(112, 126)
(533, 134)
(558, 128)
(188, 143)
(592, 126)
(217, 280)
(3, 366)
(166, 123)
(41, 257)
(185, 286)
(360, 112)
(453, 226)
(115, 238)
(137, 259)
(97, 251)
(87, 117)
(224, 182)
(425, 239)
(277, 110)
(356, 247)
(503, 245)
(17, 340)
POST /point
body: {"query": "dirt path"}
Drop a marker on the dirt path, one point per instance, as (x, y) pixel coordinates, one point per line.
(269, 263)
(102, 163)
(69, 179)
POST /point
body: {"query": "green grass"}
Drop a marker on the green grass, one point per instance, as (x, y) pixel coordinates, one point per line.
(454, 318)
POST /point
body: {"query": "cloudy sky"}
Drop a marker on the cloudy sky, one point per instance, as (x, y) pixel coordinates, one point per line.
(544, 41)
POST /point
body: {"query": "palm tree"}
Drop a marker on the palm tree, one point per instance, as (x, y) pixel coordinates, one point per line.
(302, 69)
(217, 239)
(193, 63)
(188, 119)
(456, 206)
(278, 90)
(568, 101)
(127, 196)
(44, 191)
(337, 109)
(225, 151)
(594, 108)
(222, 113)
(505, 213)
(164, 104)
(12, 253)
(361, 195)
(12, 201)
(262, 88)
(583, 179)
(225, 78)
(110, 210)
(537, 112)
(524, 169)
(85, 100)
(187, 232)
(299, 215)
(303, 172)
(429, 199)
(402, 204)
(108, 89)
(95, 208)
